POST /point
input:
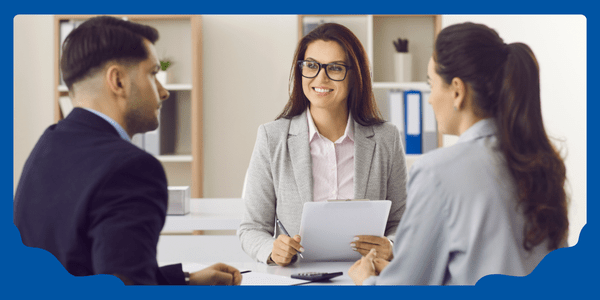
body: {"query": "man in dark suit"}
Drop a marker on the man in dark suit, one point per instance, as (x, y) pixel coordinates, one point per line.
(89, 196)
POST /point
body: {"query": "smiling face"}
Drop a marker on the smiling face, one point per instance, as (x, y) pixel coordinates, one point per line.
(441, 100)
(146, 94)
(321, 91)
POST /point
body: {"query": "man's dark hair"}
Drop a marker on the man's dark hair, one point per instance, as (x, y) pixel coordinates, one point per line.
(100, 40)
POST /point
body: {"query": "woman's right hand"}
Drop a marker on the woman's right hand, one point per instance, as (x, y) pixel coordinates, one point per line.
(284, 249)
(379, 264)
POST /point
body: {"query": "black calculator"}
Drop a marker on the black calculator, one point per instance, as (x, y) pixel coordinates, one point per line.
(316, 276)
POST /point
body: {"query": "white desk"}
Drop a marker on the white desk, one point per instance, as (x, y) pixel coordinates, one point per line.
(199, 248)
(176, 243)
(197, 251)
(208, 214)
(298, 267)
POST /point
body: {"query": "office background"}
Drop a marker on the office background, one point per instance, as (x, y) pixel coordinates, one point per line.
(246, 65)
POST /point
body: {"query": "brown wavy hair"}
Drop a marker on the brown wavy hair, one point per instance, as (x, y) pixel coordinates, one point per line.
(361, 101)
(506, 85)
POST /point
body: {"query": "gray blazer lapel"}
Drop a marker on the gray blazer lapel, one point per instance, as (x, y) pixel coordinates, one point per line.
(364, 147)
(299, 150)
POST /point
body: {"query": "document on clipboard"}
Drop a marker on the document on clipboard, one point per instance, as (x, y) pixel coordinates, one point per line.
(328, 228)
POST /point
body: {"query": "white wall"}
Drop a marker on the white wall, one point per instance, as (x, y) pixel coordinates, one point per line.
(559, 43)
(33, 84)
(247, 61)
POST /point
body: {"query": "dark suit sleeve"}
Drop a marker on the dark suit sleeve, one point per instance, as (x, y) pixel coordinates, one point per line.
(126, 216)
(171, 275)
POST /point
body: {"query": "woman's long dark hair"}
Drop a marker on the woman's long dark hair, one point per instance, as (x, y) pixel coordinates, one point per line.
(361, 101)
(505, 84)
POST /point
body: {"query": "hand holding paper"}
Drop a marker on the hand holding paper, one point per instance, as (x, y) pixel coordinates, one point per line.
(364, 243)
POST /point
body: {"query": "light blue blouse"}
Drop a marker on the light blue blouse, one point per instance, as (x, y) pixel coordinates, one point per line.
(461, 221)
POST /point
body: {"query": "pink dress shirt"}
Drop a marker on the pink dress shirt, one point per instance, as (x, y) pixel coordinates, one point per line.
(332, 163)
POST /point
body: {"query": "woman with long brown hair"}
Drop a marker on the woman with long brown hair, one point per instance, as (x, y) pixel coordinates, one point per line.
(329, 142)
(495, 202)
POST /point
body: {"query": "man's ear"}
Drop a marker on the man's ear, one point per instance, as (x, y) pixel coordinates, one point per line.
(459, 93)
(117, 80)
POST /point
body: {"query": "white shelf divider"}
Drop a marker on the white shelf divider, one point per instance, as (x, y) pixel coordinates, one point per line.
(169, 86)
(174, 158)
(417, 85)
(178, 87)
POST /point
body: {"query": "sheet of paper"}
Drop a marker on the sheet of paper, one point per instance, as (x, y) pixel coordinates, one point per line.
(328, 228)
(257, 278)
(252, 278)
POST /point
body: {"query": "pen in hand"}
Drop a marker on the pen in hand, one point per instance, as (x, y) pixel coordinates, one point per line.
(285, 232)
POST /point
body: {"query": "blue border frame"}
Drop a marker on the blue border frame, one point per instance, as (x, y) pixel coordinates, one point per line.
(35, 273)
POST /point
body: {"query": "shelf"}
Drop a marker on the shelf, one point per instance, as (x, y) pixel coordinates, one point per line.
(420, 86)
(420, 32)
(175, 158)
(168, 86)
(178, 87)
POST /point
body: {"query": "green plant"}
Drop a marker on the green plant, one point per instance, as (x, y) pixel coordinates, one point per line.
(165, 64)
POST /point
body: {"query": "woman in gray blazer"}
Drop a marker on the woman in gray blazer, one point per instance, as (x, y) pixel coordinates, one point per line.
(495, 202)
(330, 142)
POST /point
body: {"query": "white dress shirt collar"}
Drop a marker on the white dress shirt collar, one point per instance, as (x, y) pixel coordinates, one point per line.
(313, 131)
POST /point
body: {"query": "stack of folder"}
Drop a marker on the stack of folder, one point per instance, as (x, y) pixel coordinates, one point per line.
(412, 114)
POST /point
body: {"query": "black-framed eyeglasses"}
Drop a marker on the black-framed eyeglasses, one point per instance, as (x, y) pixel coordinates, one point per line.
(335, 72)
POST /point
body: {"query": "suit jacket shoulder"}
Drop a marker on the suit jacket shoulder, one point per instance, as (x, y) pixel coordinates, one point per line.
(101, 199)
